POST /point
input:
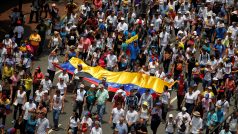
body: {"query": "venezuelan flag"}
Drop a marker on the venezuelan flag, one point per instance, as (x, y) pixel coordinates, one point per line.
(115, 80)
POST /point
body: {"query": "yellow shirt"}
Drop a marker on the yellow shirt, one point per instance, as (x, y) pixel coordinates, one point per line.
(211, 94)
(35, 39)
(7, 71)
(28, 83)
(7, 102)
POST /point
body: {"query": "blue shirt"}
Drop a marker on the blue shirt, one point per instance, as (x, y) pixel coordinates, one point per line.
(134, 51)
(122, 128)
(220, 49)
(31, 125)
(211, 119)
(220, 33)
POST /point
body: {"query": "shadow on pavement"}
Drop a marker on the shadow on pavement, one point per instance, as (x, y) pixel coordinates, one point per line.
(6, 5)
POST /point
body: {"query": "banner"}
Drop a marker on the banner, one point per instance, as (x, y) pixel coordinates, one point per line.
(117, 79)
(134, 38)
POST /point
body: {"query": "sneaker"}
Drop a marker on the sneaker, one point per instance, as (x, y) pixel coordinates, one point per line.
(56, 129)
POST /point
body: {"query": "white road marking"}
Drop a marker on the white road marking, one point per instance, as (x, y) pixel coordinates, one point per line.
(175, 98)
(51, 130)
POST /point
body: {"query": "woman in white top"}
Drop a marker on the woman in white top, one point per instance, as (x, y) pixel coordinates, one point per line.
(86, 123)
(55, 40)
(170, 125)
(18, 102)
(144, 112)
(38, 95)
(178, 22)
(74, 123)
(131, 117)
(160, 73)
(230, 51)
(62, 86)
(96, 129)
(220, 73)
(189, 100)
(57, 106)
(152, 67)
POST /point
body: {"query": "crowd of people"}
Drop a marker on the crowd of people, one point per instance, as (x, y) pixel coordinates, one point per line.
(192, 43)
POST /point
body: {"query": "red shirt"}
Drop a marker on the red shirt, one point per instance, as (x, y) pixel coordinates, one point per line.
(181, 87)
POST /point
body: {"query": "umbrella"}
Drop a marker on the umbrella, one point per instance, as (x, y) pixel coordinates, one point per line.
(84, 74)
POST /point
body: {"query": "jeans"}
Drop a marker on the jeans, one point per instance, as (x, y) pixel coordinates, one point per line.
(205, 83)
(100, 110)
(75, 130)
(89, 107)
(56, 114)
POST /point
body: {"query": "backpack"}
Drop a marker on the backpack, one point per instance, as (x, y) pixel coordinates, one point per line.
(182, 127)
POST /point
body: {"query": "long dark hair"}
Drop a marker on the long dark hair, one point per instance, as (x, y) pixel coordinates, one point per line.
(76, 117)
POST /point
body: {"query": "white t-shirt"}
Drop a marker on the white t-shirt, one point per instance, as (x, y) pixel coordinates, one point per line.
(19, 30)
(52, 59)
(220, 73)
(178, 22)
(75, 72)
(233, 124)
(80, 95)
(42, 125)
(197, 124)
(170, 127)
(116, 114)
(160, 75)
(157, 23)
(89, 121)
(131, 116)
(113, 19)
(39, 94)
(28, 106)
(20, 97)
(165, 97)
(61, 87)
(57, 102)
(65, 77)
(46, 84)
(122, 27)
(207, 75)
(73, 123)
(152, 67)
(196, 93)
(96, 131)
(164, 37)
(111, 60)
(227, 69)
(224, 105)
(234, 32)
(189, 98)
(179, 117)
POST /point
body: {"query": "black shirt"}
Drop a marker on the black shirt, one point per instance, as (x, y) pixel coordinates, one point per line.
(141, 127)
